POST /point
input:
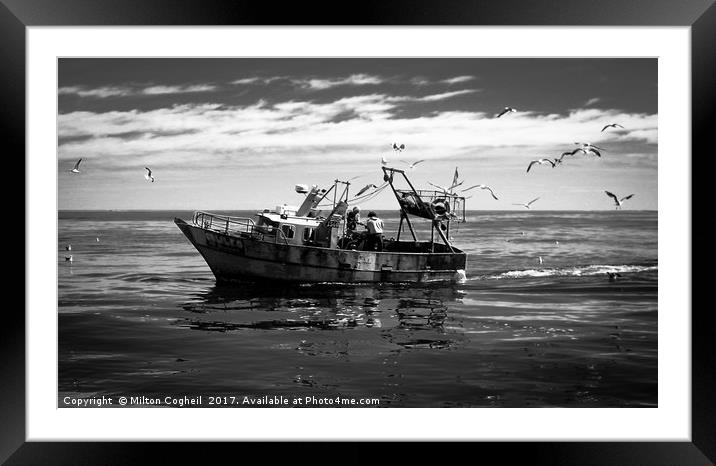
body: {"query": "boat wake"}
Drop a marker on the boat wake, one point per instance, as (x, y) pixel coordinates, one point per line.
(578, 271)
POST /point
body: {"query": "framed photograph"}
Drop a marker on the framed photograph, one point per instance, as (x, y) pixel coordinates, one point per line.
(458, 213)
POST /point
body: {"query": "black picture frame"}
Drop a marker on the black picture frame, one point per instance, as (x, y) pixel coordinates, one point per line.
(17, 15)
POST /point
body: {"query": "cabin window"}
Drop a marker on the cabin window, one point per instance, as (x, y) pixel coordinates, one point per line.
(288, 231)
(307, 234)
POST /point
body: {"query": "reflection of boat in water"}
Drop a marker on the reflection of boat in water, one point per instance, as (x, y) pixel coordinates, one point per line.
(396, 308)
(304, 245)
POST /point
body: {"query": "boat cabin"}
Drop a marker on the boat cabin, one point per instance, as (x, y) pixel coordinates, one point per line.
(287, 229)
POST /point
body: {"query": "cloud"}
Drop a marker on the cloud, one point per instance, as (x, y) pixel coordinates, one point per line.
(99, 92)
(355, 129)
(445, 95)
(257, 80)
(126, 91)
(353, 80)
(458, 79)
(361, 79)
(154, 90)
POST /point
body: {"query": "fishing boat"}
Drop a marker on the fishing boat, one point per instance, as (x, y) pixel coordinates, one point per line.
(308, 244)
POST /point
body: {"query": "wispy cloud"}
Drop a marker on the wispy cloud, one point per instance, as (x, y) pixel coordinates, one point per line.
(458, 79)
(98, 92)
(353, 80)
(126, 91)
(257, 80)
(154, 90)
(592, 101)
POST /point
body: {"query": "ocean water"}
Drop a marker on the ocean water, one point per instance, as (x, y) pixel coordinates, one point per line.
(140, 314)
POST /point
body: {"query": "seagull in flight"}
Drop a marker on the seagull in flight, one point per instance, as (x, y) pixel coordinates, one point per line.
(148, 176)
(506, 110)
(398, 148)
(541, 162)
(589, 147)
(481, 186)
(364, 189)
(613, 276)
(76, 168)
(447, 190)
(618, 202)
(613, 125)
(527, 206)
(412, 165)
(572, 152)
(586, 150)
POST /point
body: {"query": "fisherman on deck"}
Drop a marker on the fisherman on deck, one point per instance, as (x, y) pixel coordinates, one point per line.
(353, 220)
(375, 233)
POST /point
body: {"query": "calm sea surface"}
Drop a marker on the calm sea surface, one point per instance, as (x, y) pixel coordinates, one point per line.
(140, 314)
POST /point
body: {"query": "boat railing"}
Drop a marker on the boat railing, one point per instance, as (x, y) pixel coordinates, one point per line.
(223, 223)
(235, 225)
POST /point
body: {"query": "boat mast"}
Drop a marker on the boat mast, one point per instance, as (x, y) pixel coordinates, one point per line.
(420, 208)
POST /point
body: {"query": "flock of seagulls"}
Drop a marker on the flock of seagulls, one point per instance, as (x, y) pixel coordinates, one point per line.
(147, 176)
(586, 148)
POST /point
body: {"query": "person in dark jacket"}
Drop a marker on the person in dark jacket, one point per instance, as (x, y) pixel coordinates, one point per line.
(353, 220)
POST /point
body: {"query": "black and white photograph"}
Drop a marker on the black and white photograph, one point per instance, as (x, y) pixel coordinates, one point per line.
(357, 232)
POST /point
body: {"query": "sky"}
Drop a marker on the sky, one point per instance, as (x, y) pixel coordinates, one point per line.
(240, 133)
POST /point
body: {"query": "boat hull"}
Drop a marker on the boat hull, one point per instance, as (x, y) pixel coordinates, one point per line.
(237, 258)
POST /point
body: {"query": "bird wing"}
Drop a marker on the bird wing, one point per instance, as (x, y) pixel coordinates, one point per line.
(607, 126)
(148, 170)
(364, 189)
(530, 165)
(455, 185)
(616, 199)
(530, 203)
(592, 149)
(502, 113)
(439, 187)
(471, 187)
(548, 160)
(489, 189)
(419, 161)
(77, 164)
(625, 198)
(617, 124)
